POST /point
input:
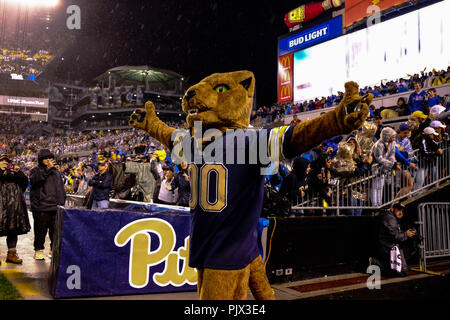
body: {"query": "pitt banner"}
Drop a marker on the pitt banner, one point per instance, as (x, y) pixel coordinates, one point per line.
(356, 10)
(120, 251)
(285, 78)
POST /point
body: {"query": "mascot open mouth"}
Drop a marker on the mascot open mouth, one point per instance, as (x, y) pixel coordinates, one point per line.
(195, 111)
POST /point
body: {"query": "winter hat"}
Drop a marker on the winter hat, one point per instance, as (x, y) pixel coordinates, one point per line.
(387, 134)
(299, 167)
(45, 154)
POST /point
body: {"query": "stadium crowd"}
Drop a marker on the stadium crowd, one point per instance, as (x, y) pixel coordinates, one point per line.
(428, 80)
(23, 61)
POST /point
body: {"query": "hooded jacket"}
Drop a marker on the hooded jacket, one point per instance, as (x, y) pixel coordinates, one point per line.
(389, 234)
(46, 186)
(296, 181)
(383, 151)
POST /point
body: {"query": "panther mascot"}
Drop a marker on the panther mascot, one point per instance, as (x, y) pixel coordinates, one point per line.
(227, 192)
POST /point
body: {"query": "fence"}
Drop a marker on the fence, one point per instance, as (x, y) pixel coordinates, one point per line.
(434, 227)
(377, 189)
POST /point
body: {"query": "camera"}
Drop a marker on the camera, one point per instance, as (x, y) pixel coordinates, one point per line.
(9, 166)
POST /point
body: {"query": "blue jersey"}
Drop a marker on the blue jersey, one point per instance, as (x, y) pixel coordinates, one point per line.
(416, 101)
(226, 196)
(434, 101)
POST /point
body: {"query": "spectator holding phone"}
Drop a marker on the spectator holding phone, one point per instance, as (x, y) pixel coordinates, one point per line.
(46, 194)
(101, 185)
(390, 240)
(13, 213)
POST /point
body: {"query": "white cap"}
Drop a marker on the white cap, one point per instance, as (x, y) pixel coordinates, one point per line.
(429, 130)
(437, 109)
(436, 124)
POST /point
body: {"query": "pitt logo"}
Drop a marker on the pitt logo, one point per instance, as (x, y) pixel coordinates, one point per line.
(142, 258)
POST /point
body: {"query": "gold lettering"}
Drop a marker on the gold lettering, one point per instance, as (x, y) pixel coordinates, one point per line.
(141, 256)
(171, 275)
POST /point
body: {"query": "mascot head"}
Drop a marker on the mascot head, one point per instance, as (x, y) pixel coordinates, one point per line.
(222, 101)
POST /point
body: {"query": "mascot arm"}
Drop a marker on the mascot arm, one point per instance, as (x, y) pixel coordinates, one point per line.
(341, 120)
(147, 120)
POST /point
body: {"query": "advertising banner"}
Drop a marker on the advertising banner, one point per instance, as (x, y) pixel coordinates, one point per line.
(120, 252)
(303, 39)
(23, 102)
(285, 81)
(356, 10)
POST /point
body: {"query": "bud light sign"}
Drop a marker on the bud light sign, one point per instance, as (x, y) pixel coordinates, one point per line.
(320, 33)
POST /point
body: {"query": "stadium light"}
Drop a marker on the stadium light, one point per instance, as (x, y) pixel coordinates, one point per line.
(36, 3)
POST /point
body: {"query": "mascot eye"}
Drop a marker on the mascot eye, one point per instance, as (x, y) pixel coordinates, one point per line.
(221, 88)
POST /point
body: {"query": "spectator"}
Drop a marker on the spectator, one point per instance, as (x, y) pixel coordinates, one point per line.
(401, 107)
(378, 120)
(404, 154)
(403, 143)
(145, 179)
(362, 166)
(13, 213)
(101, 186)
(417, 122)
(181, 182)
(365, 137)
(166, 194)
(46, 194)
(295, 120)
(363, 162)
(330, 146)
(383, 153)
(416, 99)
(390, 240)
(295, 185)
(431, 99)
(320, 179)
(429, 150)
(439, 128)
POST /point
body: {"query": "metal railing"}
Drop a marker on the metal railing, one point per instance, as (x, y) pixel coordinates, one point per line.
(434, 228)
(377, 189)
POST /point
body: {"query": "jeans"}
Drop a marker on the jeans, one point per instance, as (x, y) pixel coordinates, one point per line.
(377, 191)
(102, 204)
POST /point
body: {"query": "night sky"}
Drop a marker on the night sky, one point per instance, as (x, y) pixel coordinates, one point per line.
(193, 38)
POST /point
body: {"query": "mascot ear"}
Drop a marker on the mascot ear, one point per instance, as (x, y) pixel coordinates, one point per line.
(246, 79)
(246, 83)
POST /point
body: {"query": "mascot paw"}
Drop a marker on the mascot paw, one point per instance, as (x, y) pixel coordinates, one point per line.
(140, 118)
(353, 110)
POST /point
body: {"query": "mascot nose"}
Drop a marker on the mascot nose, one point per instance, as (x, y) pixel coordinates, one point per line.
(190, 94)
